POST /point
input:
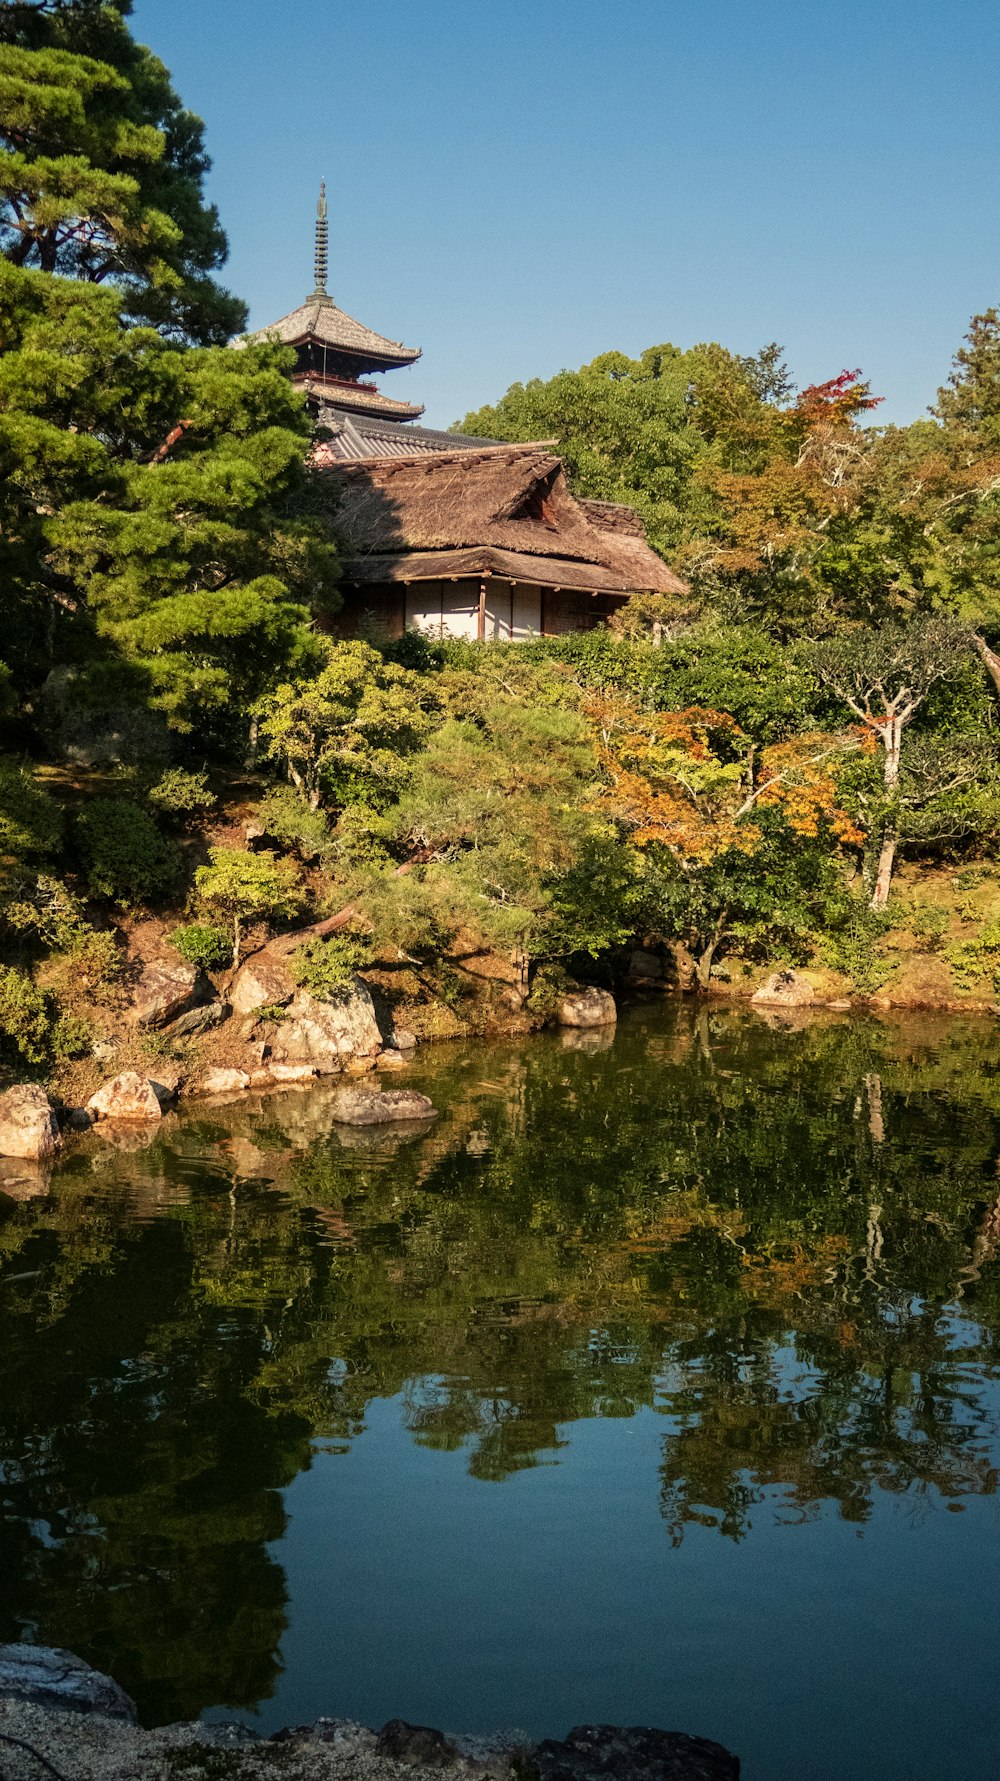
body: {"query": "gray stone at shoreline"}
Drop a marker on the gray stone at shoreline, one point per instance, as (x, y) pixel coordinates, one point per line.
(587, 1008)
(49, 1677)
(28, 1125)
(54, 1706)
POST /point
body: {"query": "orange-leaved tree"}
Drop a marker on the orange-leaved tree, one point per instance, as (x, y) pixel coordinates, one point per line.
(735, 839)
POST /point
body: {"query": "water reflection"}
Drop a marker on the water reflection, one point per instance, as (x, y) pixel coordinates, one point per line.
(781, 1240)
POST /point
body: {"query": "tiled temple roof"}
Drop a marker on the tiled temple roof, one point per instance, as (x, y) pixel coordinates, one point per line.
(319, 319)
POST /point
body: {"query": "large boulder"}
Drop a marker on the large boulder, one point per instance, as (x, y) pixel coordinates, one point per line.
(328, 1033)
(28, 1126)
(167, 988)
(372, 1106)
(260, 983)
(128, 1096)
(51, 1678)
(785, 989)
(638, 1752)
(587, 1008)
(221, 1082)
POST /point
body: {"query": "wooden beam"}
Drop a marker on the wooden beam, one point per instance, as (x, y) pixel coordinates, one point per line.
(481, 628)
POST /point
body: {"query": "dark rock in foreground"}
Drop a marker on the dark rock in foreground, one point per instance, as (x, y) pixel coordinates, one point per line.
(633, 1753)
(56, 1711)
(52, 1678)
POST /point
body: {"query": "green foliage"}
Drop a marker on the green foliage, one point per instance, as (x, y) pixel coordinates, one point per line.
(853, 948)
(178, 794)
(288, 819)
(344, 736)
(125, 856)
(102, 168)
(325, 966)
(30, 823)
(978, 958)
(201, 944)
(25, 1018)
(245, 887)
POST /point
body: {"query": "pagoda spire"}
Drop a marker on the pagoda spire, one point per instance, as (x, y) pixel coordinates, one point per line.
(322, 246)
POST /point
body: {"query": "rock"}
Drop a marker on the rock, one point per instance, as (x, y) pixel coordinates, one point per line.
(53, 1678)
(260, 983)
(165, 989)
(28, 1125)
(222, 1082)
(103, 1050)
(372, 1106)
(21, 1179)
(165, 1084)
(633, 1753)
(347, 1736)
(292, 1072)
(328, 1033)
(417, 1745)
(198, 1020)
(401, 1040)
(785, 989)
(128, 1096)
(587, 1008)
(360, 1066)
(390, 1060)
(78, 1119)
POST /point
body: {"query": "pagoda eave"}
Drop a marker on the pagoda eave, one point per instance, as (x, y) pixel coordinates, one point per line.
(332, 393)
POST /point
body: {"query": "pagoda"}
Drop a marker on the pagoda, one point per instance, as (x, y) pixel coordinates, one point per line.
(334, 353)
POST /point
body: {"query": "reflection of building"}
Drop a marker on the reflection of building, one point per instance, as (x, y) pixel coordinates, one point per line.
(457, 536)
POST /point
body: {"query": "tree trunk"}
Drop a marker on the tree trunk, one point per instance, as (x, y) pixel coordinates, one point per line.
(991, 661)
(705, 964)
(237, 937)
(892, 741)
(883, 877)
(684, 965)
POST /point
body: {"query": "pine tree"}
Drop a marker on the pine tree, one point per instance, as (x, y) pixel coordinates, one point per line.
(102, 168)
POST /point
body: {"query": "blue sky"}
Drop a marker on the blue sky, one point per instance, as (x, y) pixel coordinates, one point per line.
(516, 187)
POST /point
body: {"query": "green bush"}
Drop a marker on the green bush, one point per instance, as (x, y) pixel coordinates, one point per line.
(30, 823)
(289, 820)
(323, 967)
(72, 1036)
(853, 949)
(124, 854)
(25, 1018)
(974, 960)
(201, 944)
(178, 794)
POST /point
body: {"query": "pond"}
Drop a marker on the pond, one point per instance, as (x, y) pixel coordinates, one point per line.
(656, 1382)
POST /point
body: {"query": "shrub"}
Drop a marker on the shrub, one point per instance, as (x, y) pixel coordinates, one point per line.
(289, 820)
(201, 944)
(853, 949)
(323, 967)
(88, 968)
(25, 1018)
(30, 823)
(124, 854)
(245, 886)
(72, 1036)
(178, 794)
(974, 960)
(46, 909)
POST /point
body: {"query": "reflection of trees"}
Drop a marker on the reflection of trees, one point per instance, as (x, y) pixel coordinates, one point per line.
(753, 1230)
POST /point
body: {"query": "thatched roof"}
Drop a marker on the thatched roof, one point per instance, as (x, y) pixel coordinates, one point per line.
(501, 510)
(319, 319)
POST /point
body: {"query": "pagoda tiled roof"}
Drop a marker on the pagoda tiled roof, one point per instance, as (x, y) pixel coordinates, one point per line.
(330, 394)
(363, 435)
(319, 319)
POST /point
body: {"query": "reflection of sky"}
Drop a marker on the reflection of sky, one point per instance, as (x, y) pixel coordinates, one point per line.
(813, 1648)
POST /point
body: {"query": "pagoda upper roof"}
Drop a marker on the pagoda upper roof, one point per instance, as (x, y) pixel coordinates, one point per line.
(319, 319)
(336, 393)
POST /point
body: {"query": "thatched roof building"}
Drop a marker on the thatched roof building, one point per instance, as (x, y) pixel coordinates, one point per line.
(455, 535)
(486, 541)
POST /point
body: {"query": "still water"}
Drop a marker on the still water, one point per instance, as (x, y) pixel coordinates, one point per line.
(656, 1382)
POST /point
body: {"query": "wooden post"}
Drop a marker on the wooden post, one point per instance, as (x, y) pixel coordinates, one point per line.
(481, 631)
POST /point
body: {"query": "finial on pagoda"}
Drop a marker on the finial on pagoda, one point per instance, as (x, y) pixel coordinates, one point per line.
(322, 244)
